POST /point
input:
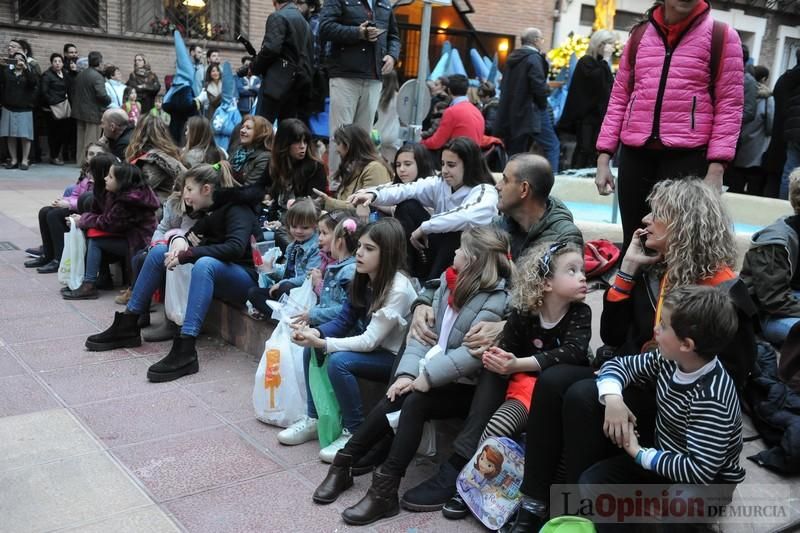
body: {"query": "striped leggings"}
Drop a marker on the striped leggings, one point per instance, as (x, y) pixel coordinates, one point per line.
(510, 420)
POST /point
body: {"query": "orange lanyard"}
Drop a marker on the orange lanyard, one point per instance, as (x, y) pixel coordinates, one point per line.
(660, 299)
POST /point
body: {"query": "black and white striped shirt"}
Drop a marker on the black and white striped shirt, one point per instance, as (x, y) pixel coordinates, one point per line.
(698, 423)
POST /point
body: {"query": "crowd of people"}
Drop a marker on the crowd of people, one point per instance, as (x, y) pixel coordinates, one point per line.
(461, 290)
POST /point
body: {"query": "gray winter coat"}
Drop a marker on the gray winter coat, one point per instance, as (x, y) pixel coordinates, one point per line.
(456, 362)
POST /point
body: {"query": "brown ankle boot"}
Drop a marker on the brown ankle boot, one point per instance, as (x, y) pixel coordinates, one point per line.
(380, 501)
(87, 291)
(338, 480)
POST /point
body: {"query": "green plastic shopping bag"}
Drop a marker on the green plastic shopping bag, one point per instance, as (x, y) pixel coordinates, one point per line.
(329, 416)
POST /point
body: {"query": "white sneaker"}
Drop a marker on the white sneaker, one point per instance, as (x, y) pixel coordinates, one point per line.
(327, 453)
(303, 430)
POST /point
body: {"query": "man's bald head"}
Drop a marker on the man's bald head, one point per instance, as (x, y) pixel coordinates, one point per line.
(114, 122)
(531, 36)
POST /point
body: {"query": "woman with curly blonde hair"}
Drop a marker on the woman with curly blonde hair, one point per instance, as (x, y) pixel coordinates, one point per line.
(687, 239)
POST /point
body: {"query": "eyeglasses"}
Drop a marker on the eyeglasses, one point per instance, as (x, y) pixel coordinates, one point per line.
(547, 258)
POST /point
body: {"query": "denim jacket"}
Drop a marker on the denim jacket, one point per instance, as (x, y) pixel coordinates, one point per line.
(335, 284)
(307, 258)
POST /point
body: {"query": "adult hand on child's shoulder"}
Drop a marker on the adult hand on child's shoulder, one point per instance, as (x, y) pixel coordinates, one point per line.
(422, 324)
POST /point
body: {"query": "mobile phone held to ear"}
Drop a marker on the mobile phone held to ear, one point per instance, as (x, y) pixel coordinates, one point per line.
(642, 241)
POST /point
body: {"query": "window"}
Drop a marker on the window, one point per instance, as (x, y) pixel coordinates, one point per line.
(216, 20)
(62, 12)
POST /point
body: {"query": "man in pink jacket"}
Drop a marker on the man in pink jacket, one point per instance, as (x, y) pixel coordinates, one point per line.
(670, 117)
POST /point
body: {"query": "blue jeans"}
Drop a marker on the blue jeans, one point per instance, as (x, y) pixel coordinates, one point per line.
(210, 277)
(792, 162)
(311, 409)
(344, 368)
(775, 328)
(95, 248)
(548, 139)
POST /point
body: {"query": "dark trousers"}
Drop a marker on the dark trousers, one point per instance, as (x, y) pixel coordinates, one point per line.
(622, 469)
(286, 107)
(640, 169)
(52, 226)
(449, 401)
(519, 145)
(585, 155)
(137, 262)
(750, 180)
(441, 246)
(490, 392)
(57, 135)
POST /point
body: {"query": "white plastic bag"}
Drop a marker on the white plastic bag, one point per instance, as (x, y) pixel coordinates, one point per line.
(297, 301)
(73, 258)
(176, 294)
(279, 391)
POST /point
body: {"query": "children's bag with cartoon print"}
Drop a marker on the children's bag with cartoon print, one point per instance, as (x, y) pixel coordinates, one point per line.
(490, 481)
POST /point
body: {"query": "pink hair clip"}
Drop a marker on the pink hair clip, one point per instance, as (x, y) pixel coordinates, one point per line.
(290, 203)
(349, 225)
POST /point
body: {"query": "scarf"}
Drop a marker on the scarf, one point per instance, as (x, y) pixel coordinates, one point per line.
(451, 277)
(674, 31)
(239, 157)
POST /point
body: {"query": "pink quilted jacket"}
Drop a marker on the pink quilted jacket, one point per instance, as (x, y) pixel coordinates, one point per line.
(689, 118)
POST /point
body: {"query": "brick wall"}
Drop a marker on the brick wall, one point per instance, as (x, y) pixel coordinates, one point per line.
(513, 16)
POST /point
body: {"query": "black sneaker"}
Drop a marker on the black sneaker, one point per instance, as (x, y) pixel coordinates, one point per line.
(34, 252)
(433, 493)
(455, 508)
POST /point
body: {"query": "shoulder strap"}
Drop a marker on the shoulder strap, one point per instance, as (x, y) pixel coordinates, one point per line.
(633, 48)
(718, 34)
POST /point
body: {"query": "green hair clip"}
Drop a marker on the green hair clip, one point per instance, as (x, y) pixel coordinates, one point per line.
(216, 166)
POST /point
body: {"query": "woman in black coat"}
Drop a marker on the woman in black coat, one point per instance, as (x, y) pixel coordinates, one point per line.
(55, 89)
(588, 96)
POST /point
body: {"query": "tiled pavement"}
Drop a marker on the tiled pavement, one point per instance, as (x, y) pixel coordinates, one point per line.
(87, 444)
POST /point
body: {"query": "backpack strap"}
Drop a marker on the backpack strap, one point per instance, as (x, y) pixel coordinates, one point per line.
(718, 34)
(633, 48)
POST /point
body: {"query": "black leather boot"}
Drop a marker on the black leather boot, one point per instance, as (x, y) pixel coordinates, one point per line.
(123, 333)
(381, 501)
(180, 361)
(338, 480)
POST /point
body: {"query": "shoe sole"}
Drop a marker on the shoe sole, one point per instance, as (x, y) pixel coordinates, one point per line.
(159, 377)
(361, 470)
(454, 515)
(421, 508)
(84, 297)
(328, 501)
(388, 514)
(106, 346)
(298, 443)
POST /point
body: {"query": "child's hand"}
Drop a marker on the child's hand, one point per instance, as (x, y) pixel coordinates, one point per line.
(401, 386)
(171, 260)
(308, 338)
(419, 240)
(273, 226)
(60, 202)
(302, 318)
(631, 445)
(273, 289)
(618, 420)
(499, 361)
(421, 384)
(316, 276)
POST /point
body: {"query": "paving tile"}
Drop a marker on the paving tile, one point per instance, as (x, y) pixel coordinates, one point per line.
(230, 398)
(34, 438)
(48, 355)
(102, 381)
(266, 436)
(149, 416)
(100, 311)
(32, 307)
(148, 520)
(13, 289)
(22, 394)
(12, 271)
(428, 523)
(195, 461)
(277, 502)
(79, 489)
(50, 326)
(9, 365)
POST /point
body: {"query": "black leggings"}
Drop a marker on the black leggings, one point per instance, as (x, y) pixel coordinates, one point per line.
(441, 246)
(449, 401)
(52, 226)
(57, 134)
(567, 418)
(640, 169)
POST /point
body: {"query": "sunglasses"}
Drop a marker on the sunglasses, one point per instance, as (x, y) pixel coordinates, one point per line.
(547, 258)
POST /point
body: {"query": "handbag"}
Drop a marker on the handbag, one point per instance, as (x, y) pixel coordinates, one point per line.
(61, 110)
(279, 79)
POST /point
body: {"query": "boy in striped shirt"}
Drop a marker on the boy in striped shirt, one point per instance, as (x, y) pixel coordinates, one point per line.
(698, 434)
